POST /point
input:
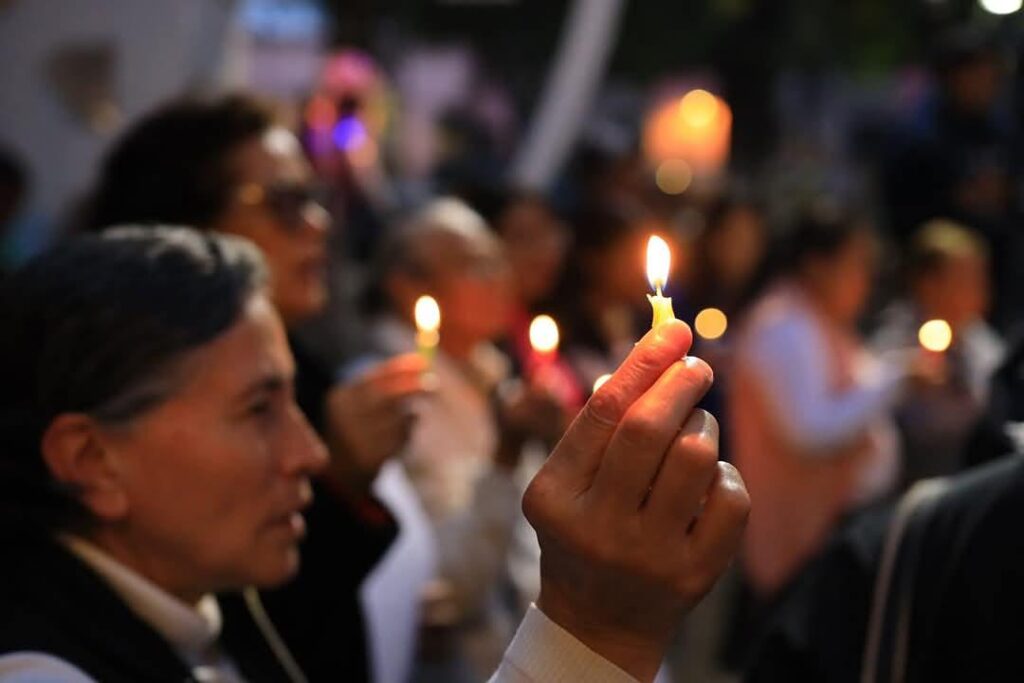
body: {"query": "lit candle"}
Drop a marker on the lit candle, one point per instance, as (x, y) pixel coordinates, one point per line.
(935, 335)
(658, 259)
(428, 322)
(544, 340)
(711, 323)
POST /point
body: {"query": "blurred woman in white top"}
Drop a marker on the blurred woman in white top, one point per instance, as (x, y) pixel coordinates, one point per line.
(810, 408)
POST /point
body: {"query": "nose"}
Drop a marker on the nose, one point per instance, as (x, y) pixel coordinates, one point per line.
(303, 453)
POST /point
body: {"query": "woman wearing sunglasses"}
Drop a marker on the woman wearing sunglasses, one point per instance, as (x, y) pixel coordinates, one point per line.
(227, 166)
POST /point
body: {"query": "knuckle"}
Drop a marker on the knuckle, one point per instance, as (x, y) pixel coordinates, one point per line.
(735, 499)
(639, 429)
(604, 408)
(536, 499)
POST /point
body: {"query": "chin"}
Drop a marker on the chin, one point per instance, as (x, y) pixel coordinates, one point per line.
(272, 572)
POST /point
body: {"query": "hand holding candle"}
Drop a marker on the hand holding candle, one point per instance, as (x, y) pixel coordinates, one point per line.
(428, 322)
(658, 262)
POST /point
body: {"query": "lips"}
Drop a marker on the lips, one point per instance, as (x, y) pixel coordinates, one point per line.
(292, 518)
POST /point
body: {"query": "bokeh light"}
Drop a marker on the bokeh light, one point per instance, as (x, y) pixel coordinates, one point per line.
(698, 108)
(599, 382)
(1001, 6)
(935, 335)
(673, 176)
(711, 323)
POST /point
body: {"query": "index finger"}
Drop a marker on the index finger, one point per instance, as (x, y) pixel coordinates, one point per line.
(579, 453)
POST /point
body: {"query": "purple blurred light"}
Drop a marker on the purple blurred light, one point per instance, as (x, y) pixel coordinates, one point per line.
(348, 133)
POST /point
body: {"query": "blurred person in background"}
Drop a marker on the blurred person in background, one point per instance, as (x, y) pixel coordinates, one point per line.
(955, 160)
(152, 453)
(598, 301)
(948, 279)
(469, 434)
(536, 243)
(228, 166)
(809, 407)
(728, 256)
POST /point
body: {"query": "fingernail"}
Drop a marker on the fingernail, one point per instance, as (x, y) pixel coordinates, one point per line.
(694, 363)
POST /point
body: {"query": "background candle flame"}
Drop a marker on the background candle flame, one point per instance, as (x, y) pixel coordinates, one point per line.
(599, 382)
(658, 261)
(427, 314)
(544, 335)
(935, 335)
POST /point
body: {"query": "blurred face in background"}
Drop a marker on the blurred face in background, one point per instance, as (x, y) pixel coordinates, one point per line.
(535, 243)
(958, 291)
(841, 282)
(274, 205)
(737, 247)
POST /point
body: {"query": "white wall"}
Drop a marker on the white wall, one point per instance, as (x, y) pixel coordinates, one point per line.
(163, 47)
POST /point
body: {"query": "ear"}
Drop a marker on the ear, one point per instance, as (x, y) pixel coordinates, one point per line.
(76, 455)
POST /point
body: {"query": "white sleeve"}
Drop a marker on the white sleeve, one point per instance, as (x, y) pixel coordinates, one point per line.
(789, 359)
(38, 667)
(544, 652)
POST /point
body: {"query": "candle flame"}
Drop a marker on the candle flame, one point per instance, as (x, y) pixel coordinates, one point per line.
(711, 323)
(544, 335)
(427, 314)
(658, 260)
(935, 335)
(599, 382)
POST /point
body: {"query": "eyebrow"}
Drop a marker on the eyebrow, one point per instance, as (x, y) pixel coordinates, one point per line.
(268, 384)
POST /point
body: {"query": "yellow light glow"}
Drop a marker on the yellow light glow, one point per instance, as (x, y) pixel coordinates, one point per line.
(544, 334)
(711, 323)
(935, 335)
(673, 176)
(599, 382)
(698, 108)
(658, 261)
(427, 314)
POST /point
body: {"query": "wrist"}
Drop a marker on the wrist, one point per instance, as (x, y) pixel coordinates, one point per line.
(640, 655)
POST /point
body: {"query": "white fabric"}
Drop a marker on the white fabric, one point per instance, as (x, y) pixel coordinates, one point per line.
(785, 346)
(544, 652)
(391, 594)
(788, 351)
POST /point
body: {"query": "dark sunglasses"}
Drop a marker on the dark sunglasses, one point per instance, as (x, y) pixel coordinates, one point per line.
(287, 201)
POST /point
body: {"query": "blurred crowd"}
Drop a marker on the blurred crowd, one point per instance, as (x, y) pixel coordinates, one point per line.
(818, 322)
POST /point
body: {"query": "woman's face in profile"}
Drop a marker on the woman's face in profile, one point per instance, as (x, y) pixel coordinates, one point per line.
(214, 478)
(274, 204)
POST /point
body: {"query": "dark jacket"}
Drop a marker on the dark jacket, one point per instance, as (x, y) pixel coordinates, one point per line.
(967, 599)
(52, 602)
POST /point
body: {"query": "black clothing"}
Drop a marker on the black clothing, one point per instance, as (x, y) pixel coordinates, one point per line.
(968, 593)
(54, 603)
